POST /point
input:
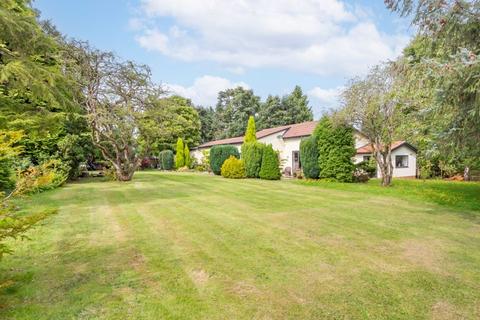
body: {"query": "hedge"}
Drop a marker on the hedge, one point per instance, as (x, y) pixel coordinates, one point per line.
(252, 157)
(270, 169)
(233, 168)
(165, 160)
(218, 155)
(309, 157)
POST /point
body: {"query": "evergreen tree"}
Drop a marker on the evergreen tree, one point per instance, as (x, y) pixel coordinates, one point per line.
(250, 134)
(336, 147)
(272, 113)
(270, 169)
(309, 157)
(180, 155)
(296, 104)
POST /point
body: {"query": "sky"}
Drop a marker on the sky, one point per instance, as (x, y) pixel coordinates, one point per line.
(197, 48)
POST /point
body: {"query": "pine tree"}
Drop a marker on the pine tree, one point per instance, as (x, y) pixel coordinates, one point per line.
(180, 156)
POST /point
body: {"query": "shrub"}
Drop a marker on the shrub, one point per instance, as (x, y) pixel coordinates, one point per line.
(188, 159)
(369, 167)
(46, 176)
(270, 169)
(180, 155)
(233, 168)
(252, 157)
(218, 155)
(184, 169)
(165, 160)
(336, 148)
(309, 157)
(360, 175)
(250, 133)
(206, 160)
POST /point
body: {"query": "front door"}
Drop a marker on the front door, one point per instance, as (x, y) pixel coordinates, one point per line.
(296, 165)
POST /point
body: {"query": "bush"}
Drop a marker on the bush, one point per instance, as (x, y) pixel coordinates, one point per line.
(369, 167)
(360, 175)
(46, 176)
(252, 157)
(309, 157)
(218, 155)
(165, 160)
(336, 148)
(180, 155)
(186, 154)
(233, 168)
(270, 169)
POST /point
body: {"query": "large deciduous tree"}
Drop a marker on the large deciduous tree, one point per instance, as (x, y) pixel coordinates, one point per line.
(372, 105)
(115, 95)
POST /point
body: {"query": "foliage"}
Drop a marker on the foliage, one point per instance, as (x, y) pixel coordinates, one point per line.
(309, 157)
(207, 120)
(292, 108)
(206, 160)
(336, 148)
(218, 155)
(165, 160)
(441, 83)
(370, 167)
(252, 153)
(180, 154)
(233, 168)
(234, 107)
(166, 119)
(9, 149)
(116, 94)
(375, 107)
(46, 176)
(250, 133)
(188, 159)
(270, 169)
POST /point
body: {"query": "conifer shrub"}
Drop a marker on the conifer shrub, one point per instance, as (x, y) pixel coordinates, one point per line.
(309, 157)
(165, 160)
(218, 155)
(251, 132)
(180, 155)
(252, 157)
(336, 148)
(270, 169)
(233, 168)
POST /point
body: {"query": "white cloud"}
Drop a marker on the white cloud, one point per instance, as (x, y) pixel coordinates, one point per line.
(324, 99)
(320, 36)
(205, 89)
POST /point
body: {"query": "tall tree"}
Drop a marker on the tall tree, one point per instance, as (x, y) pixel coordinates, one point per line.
(207, 123)
(444, 62)
(296, 104)
(115, 95)
(234, 107)
(166, 119)
(373, 106)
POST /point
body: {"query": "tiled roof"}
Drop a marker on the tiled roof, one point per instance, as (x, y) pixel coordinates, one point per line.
(397, 144)
(292, 131)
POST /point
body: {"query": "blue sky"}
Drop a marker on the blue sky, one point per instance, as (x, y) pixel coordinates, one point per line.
(197, 48)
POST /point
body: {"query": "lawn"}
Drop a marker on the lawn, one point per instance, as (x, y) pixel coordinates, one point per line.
(193, 246)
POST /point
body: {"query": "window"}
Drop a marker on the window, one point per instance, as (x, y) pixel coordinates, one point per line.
(401, 161)
(366, 158)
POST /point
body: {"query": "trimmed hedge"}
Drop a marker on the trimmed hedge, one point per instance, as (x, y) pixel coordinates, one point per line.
(218, 155)
(270, 169)
(252, 157)
(309, 157)
(233, 168)
(165, 160)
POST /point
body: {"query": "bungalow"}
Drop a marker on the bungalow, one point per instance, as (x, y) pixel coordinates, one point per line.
(286, 140)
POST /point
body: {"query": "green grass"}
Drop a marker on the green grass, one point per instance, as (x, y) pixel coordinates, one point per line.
(193, 246)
